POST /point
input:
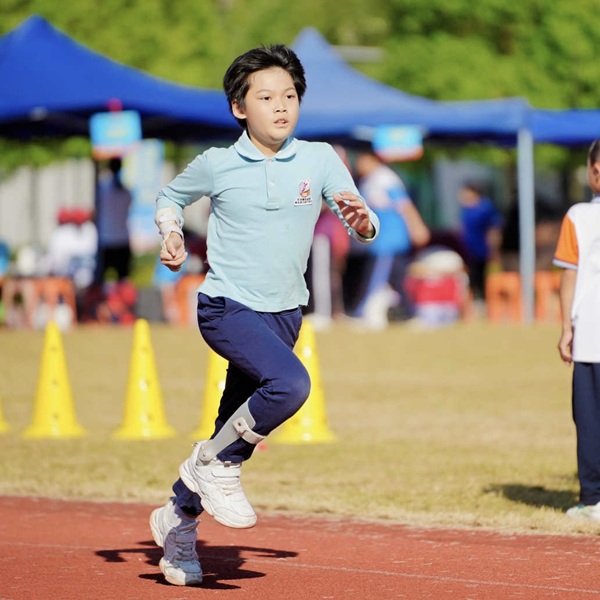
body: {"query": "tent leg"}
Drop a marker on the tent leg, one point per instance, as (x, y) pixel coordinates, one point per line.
(526, 193)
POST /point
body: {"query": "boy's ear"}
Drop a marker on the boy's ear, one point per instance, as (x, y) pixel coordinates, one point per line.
(237, 110)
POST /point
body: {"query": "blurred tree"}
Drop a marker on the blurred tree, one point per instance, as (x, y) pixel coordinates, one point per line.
(539, 49)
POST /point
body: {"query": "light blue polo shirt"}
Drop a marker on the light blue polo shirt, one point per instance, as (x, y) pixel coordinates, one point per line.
(262, 218)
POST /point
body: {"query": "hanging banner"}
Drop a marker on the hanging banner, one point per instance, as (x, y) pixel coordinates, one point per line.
(114, 134)
(398, 144)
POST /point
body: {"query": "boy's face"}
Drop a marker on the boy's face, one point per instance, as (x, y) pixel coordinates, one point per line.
(271, 109)
(468, 197)
(365, 164)
(593, 171)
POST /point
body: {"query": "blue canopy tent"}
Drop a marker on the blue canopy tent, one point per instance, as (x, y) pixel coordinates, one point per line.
(574, 127)
(51, 85)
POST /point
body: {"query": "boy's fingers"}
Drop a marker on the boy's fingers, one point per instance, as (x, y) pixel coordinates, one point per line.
(345, 197)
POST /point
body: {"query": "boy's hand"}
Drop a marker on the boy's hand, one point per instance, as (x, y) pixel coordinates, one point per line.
(172, 252)
(565, 346)
(355, 213)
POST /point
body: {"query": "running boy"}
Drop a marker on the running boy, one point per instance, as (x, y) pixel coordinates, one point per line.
(266, 192)
(578, 252)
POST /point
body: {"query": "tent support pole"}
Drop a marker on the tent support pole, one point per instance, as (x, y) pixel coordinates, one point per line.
(526, 193)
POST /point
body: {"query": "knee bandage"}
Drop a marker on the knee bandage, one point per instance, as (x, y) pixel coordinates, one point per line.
(239, 425)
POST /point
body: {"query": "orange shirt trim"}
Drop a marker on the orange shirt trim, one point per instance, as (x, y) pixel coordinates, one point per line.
(567, 249)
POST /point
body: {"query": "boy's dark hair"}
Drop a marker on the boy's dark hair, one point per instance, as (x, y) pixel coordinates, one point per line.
(594, 152)
(236, 80)
(476, 186)
(114, 166)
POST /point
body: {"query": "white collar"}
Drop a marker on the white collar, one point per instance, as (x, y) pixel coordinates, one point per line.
(244, 147)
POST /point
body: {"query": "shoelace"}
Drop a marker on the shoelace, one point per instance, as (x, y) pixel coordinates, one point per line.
(184, 549)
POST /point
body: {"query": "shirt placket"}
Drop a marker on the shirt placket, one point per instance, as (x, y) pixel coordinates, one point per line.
(273, 193)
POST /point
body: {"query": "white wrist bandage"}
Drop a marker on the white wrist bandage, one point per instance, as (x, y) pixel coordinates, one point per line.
(167, 221)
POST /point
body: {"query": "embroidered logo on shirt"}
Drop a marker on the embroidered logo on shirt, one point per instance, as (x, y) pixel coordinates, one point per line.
(304, 196)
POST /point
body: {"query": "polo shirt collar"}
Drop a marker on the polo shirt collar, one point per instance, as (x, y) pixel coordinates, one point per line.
(245, 148)
(596, 199)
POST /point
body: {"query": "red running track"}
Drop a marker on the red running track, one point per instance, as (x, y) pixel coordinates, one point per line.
(67, 550)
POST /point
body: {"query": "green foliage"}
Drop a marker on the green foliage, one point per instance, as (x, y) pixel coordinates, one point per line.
(178, 41)
(539, 49)
(14, 154)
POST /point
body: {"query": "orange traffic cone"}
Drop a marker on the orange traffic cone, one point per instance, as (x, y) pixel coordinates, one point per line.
(54, 412)
(216, 374)
(309, 424)
(144, 416)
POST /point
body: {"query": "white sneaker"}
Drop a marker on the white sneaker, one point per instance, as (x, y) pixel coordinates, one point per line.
(582, 511)
(220, 490)
(177, 535)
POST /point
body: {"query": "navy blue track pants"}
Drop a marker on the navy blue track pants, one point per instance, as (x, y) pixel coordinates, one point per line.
(262, 369)
(586, 414)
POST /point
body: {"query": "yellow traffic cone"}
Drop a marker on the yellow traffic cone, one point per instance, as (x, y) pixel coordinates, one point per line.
(309, 424)
(3, 424)
(54, 412)
(216, 374)
(144, 416)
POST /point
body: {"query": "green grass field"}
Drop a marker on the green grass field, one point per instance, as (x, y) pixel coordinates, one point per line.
(466, 426)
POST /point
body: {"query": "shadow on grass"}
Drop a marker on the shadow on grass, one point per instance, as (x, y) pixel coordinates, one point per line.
(534, 495)
(220, 564)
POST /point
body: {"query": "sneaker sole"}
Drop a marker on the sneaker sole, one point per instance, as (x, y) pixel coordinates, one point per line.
(207, 506)
(172, 581)
(583, 517)
(190, 483)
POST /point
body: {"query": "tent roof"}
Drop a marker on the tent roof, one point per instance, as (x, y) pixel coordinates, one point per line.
(55, 84)
(52, 84)
(339, 99)
(565, 127)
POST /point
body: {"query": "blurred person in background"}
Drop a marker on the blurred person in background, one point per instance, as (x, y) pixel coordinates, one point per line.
(578, 254)
(481, 232)
(402, 230)
(112, 213)
(71, 250)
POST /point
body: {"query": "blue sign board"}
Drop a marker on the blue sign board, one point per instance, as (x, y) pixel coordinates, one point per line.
(396, 144)
(113, 134)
